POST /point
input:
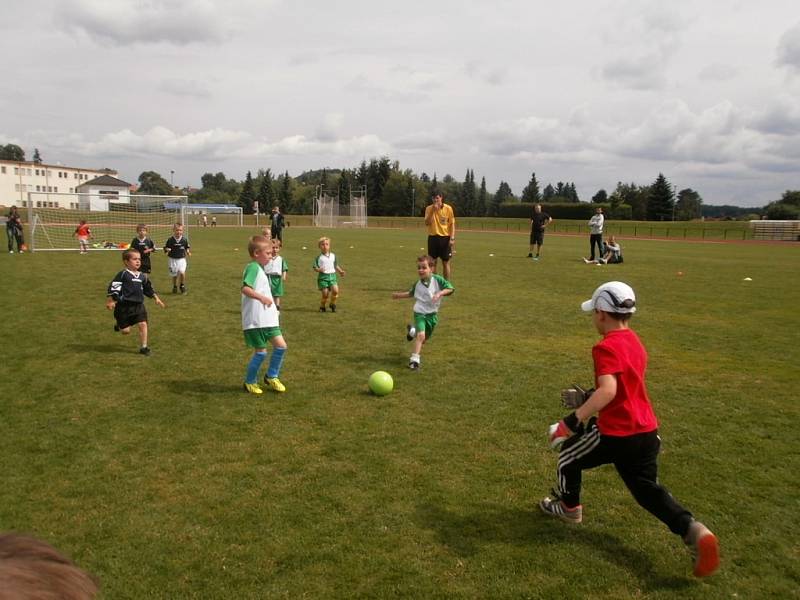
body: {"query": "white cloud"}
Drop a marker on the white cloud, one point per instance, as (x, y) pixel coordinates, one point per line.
(638, 73)
(160, 141)
(125, 22)
(330, 127)
(789, 49)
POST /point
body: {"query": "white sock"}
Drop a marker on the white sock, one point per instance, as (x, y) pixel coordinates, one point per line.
(415, 358)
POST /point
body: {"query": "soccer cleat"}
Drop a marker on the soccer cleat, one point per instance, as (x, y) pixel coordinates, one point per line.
(183, 289)
(174, 289)
(116, 327)
(333, 308)
(277, 307)
(411, 332)
(705, 548)
(555, 508)
(586, 260)
(535, 258)
(144, 350)
(275, 384)
(253, 388)
(11, 252)
(413, 365)
(321, 309)
(530, 254)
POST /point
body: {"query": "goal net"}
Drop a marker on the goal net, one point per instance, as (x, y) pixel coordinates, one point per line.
(330, 212)
(326, 210)
(53, 219)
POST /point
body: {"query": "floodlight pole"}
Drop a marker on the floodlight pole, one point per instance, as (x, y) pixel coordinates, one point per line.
(413, 198)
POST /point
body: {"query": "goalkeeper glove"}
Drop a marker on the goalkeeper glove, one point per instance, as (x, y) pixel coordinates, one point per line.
(560, 432)
(575, 396)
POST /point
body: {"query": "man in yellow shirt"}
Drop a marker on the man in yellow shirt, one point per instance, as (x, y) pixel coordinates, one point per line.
(441, 224)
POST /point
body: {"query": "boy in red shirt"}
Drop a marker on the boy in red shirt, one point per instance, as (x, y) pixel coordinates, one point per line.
(624, 432)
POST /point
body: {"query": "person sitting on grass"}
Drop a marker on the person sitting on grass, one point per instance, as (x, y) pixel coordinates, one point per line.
(612, 253)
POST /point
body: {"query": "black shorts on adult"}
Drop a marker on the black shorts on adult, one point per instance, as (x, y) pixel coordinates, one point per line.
(537, 236)
(439, 247)
(129, 313)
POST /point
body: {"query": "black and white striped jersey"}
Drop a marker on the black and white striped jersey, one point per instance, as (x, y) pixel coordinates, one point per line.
(128, 286)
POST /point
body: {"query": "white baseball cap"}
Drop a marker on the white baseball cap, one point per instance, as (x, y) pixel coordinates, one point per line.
(613, 297)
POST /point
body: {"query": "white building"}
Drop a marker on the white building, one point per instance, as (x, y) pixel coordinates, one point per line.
(98, 193)
(17, 178)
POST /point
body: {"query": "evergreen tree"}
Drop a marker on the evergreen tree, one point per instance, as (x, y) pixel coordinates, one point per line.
(361, 176)
(572, 192)
(481, 212)
(266, 194)
(531, 192)
(434, 186)
(344, 185)
(549, 193)
(661, 200)
(248, 196)
(468, 196)
(285, 194)
(600, 197)
(503, 194)
(37, 158)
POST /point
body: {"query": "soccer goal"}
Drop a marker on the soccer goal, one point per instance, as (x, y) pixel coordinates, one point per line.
(330, 212)
(53, 219)
(326, 209)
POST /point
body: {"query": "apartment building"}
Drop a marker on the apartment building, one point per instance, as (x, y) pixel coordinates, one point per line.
(55, 183)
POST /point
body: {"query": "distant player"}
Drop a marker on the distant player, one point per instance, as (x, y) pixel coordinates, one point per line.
(624, 432)
(539, 221)
(260, 319)
(276, 270)
(84, 234)
(14, 231)
(328, 269)
(177, 248)
(144, 245)
(427, 293)
(125, 297)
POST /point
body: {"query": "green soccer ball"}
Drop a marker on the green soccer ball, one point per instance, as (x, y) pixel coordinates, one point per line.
(381, 383)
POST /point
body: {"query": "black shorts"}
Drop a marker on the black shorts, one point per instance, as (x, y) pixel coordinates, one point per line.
(537, 236)
(439, 247)
(129, 313)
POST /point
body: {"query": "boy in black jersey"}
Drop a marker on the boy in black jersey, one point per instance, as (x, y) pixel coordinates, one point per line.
(177, 248)
(126, 294)
(144, 245)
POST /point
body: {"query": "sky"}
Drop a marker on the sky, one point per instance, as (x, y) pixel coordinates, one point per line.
(591, 92)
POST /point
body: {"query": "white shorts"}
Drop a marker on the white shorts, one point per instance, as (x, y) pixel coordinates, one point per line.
(176, 266)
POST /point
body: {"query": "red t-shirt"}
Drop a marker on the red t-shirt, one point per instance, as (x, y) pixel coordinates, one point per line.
(621, 353)
(83, 231)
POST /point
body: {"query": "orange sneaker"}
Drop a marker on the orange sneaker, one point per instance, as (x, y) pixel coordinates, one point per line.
(705, 548)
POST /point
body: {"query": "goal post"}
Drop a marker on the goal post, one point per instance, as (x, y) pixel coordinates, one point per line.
(330, 211)
(53, 218)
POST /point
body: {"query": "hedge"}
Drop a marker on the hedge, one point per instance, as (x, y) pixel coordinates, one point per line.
(564, 210)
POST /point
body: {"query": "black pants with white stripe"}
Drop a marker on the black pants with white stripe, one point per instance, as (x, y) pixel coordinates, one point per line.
(635, 458)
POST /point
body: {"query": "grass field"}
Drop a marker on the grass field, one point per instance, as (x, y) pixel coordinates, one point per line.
(166, 481)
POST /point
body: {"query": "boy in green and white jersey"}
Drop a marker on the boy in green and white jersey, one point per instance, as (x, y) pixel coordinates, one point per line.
(327, 281)
(428, 293)
(260, 319)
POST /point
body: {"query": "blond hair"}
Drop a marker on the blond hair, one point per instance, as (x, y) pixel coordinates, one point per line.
(323, 239)
(257, 242)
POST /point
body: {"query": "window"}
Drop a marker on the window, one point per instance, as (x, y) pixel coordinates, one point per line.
(16, 187)
(71, 190)
(3, 170)
(74, 175)
(49, 189)
(38, 204)
(16, 170)
(24, 204)
(49, 173)
(55, 189)
(30, 172)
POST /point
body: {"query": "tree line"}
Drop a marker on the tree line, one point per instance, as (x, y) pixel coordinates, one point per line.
(392, 191)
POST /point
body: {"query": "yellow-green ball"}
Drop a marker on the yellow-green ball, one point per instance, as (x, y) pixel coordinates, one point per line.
(381, 383)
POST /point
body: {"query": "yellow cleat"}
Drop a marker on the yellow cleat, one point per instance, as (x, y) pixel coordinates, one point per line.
(253, 388)
(275, 384)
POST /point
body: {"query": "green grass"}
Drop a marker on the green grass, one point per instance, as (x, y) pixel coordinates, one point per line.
(162, 478)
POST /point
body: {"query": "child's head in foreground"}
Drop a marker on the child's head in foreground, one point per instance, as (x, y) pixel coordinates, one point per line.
(324, 243)
(425, 266)
(177, 228)
(615, 299)
(132, 259)
(260, 249)
(141, 230)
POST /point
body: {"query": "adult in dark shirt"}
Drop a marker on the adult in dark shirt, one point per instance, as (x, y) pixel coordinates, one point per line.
(277, 223)
(14, 231)
(539, 220)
